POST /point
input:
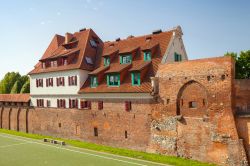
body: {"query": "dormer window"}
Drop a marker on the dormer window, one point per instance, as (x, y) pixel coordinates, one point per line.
(147, 56)
(113, 79)
(89, 60)
(125, 59)
(93, 43)
(93, 81)
(43, 65)
(65, 62)
(53, 63)
(135, 78)
(106, 61)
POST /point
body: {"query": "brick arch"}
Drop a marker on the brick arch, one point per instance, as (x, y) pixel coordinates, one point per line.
(192, 100)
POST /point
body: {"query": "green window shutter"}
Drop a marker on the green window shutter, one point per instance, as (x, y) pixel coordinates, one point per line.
(108, 61)
(132, 78)
(130, 58)
(175, 57)
(118, 75)
(121, 60)
(108, 80)
(139, 78)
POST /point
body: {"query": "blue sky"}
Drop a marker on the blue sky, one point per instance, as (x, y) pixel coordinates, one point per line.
(210, 27)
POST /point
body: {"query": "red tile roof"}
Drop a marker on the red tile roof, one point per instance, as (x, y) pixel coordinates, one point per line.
(128, 45)
(149, 45)
(140, 66)
(15, 98)
(128, 49)
(110, 51)
(99, 70)
(117, 68)
(83, 49)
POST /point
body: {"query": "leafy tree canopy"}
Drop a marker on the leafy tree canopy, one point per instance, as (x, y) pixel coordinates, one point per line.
(26, 87)
(12, 83)
(242, 64)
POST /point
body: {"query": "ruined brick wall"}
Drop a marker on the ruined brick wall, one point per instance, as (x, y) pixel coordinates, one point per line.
(242, 95)
(242, 106)
(195, 119)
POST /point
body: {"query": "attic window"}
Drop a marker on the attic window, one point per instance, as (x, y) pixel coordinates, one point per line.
(89, 60)
(93, 43)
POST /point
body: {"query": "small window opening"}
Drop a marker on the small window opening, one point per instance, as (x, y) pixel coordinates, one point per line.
(204, 102)
(158, 129)
(96, 132)
(223, 77)
(128, 106)
(126, 134)
(192, 104)
(208, 78)
(59, 125)
(168, 101)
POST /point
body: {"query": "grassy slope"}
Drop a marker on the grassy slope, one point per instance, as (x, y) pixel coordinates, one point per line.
(123, 152)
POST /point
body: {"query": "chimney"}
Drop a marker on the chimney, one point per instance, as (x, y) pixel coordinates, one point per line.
(68, 37)
(155, 85)
(118, 39)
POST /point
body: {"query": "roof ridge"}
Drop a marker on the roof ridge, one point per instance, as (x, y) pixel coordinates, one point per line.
(140, 36)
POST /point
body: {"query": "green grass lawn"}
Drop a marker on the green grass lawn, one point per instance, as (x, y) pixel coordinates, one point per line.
(29, 150)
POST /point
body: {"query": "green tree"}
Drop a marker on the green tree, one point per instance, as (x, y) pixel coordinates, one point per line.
(8, 82)
(26, 87)
(24, 79)
(17, 87)
(242, 64)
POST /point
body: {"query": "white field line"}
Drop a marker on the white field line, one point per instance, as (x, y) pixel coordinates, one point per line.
(6, 146)
(109, 158)
(140, 160)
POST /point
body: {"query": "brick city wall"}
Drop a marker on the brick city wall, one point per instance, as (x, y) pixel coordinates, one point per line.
(193, 116)
(112, 122)
(196, 117)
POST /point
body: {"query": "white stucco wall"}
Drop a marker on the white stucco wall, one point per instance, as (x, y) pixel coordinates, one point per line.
(53, 99)
(56, 92)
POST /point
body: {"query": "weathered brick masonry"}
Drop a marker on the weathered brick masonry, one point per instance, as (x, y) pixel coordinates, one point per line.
(193, 116)
(207, 132)
(242, 97)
